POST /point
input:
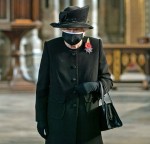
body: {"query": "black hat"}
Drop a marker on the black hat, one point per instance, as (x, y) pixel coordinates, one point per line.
(73, 17)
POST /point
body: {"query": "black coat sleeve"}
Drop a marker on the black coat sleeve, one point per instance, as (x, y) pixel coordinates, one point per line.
(42, 89)
(103, 71)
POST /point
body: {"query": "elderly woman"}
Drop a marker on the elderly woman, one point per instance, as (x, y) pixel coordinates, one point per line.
(68, 83)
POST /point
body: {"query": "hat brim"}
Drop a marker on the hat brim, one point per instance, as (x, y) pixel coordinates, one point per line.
(71, 25)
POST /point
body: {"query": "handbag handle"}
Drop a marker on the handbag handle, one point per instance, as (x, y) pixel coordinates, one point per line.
(102, 95)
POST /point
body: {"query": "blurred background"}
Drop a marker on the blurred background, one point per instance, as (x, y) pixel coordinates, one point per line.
(123, 25)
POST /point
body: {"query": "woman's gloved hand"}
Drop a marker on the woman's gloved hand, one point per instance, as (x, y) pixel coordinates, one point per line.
(42, 129)
(87, 87)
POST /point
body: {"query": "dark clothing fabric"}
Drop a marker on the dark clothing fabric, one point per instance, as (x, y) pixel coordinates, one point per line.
(57, 103)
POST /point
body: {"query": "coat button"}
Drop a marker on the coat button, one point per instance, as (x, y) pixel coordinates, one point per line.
(73, 67)
(74, 54)
(74, 92)
(74, 105)
(73, 79)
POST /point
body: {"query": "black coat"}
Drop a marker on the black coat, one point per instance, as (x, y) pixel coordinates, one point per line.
(57, 103)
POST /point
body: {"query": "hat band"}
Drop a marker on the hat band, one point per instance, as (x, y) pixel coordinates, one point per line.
(73, 22)
(72, 32)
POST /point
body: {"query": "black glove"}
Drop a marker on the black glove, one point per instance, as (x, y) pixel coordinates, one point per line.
(42, 129)
(87, 87)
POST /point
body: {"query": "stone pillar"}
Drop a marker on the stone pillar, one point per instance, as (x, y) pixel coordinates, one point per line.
(135, 20)
(37, 52)
(94, 15)
(5, 59)
(23, 65)
(66, 3)
(79, 3)
(101, 20)
(56, 17)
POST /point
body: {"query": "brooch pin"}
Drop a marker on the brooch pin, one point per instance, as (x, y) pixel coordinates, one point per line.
(88, 46)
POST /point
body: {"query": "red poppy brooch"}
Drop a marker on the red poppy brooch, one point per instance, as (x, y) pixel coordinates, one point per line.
(88, 46)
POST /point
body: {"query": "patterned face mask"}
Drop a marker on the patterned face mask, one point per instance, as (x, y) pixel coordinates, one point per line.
(72, 38)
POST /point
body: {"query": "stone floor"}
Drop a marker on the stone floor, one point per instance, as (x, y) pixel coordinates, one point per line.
(17, 119)
(134, 110)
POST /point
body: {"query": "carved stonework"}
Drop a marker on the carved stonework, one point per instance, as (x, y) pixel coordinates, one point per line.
(130, 63)
(125, 59)
(141, 59)
(117, 64)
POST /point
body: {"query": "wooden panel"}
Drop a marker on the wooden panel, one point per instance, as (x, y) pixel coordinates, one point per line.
(36, 9)
(18, 13)
(25, 9)
(21, 9)
(3, 9)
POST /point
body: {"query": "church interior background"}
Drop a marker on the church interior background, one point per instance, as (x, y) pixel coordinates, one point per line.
(123, 25)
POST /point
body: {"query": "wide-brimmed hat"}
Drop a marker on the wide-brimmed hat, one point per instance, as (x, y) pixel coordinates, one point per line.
(73, 17)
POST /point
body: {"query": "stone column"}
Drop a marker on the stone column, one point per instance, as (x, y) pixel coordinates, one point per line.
(56, 17)
(79, 3)
(37, 52)
(135, 20)
(101, 20)
(94, 17)
(66, 3)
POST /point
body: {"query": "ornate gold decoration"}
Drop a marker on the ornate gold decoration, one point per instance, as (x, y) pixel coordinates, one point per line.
(133, 58)
(133, 66)
(109, 58)
(116, 64)
(141, 59)
(125, 59)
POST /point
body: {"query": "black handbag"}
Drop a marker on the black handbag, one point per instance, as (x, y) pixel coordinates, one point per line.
(105, 116)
